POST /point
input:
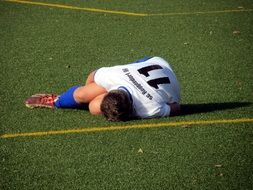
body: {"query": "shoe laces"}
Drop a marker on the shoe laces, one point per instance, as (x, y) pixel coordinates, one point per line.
(48, 99)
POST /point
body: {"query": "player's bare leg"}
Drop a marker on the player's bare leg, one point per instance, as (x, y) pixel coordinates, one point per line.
(85, 94)
(94, 105)
(75, 97)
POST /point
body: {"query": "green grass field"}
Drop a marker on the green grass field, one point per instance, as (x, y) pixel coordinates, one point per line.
(51, 46)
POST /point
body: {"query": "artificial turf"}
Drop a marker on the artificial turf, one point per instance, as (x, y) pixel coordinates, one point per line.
(47, 49)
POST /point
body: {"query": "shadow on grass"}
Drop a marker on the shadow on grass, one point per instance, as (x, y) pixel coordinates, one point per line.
(188, 109)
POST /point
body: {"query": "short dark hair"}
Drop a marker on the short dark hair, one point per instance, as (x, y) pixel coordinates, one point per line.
(116, 106)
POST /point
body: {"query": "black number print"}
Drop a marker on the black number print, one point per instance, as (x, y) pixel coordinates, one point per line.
(154, 82)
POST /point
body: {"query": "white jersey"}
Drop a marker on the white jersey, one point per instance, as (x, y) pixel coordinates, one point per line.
(152, 85)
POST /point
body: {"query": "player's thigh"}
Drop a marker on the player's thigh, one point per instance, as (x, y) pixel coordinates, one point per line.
(87, 93)
(90, 78)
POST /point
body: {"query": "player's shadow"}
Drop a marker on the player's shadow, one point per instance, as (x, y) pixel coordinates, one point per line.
(188, 109)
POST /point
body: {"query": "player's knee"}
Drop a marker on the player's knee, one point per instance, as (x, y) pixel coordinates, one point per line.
(94, 108)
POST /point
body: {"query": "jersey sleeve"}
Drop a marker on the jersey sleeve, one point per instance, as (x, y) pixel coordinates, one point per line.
(151, 111)
(164, 111)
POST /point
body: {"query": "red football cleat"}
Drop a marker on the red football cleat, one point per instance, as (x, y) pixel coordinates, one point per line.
(41, 101)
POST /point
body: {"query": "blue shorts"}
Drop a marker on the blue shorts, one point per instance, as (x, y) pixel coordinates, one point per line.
(142, 59)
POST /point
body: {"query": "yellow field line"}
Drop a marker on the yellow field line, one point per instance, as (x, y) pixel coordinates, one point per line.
(124, 12)
(138, 126)
(78, 8)
(201, 12)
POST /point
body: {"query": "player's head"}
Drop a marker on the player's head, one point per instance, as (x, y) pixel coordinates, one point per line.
(116, 106)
